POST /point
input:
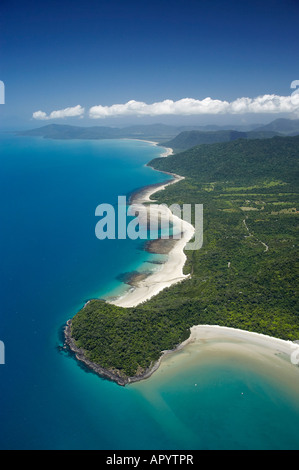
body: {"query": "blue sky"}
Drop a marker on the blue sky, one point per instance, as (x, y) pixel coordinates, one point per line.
(62, 54)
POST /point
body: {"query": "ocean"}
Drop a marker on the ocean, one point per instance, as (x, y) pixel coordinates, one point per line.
(51, 264)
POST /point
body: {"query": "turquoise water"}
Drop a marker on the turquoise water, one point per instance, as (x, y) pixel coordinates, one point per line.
(51, 263)
(224, 401)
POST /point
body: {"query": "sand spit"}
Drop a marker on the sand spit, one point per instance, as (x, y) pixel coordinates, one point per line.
(171, 271)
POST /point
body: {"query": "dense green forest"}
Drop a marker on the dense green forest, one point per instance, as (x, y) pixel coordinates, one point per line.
(187, 139)
(244, 276)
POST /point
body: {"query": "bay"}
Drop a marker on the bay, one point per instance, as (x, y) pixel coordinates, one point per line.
(51, 263)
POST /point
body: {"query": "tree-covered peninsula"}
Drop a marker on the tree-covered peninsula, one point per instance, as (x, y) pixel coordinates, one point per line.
(244, 276)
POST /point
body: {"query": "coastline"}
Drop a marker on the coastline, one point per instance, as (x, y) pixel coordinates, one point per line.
(256, 345)
(113, 375)
(170, 273)
(168, 150)
(280, 345)
(214, 350)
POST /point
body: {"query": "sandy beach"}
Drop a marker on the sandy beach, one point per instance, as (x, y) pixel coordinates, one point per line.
(212, 344)
(168, 151)
(254, 345)
(250, 341)
(208, 341)
(201, 332)
(171, 271)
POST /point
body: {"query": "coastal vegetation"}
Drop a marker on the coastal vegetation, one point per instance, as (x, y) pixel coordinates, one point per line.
(244, 276)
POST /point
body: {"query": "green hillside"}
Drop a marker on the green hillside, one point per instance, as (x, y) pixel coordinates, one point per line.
(283, 126)
(245, 275)
(240, 160)
(188, 139)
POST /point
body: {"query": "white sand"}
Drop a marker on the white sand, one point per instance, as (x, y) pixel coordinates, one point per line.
(168, 151)
(211, 345)
(171, 271)
(209, 332)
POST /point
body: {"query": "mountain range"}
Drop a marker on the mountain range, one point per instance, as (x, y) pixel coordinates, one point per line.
(177, 137)
(191, 138)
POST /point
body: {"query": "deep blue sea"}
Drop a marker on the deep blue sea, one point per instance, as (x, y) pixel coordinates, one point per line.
(51, 263)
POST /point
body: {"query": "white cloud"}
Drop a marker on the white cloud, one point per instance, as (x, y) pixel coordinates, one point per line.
(75, 111)
(186, 106)
(40, 115)
(190, 106)
(271, 104)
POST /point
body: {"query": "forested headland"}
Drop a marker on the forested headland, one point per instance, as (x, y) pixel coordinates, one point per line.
(246, 273)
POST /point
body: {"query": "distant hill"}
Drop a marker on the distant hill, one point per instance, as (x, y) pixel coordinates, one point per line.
(177, 137)
(60, 131)
(189, 139)
(157, 132)
(154, 131)
(283, 126)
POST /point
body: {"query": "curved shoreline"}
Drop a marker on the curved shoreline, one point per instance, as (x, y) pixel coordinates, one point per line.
(171, 271)
(198, 334)
(158, 281)
(114, 375)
